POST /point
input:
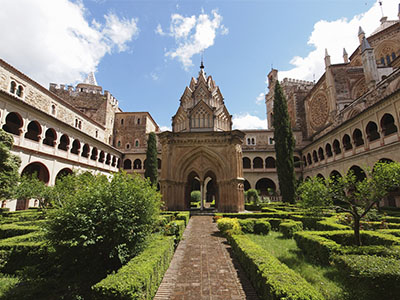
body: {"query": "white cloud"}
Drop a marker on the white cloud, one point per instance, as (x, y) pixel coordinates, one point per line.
(335, 36)
(260, 99)
(154, 76)
(159, 30)
(247, 121)
(193, 35)
(165, 128)
(52, 40)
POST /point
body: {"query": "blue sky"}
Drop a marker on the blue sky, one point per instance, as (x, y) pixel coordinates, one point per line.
(145, 52)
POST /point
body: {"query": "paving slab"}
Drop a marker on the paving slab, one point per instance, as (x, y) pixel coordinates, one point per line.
(203, 267)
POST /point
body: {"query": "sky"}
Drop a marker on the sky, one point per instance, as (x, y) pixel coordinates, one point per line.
(145, 52)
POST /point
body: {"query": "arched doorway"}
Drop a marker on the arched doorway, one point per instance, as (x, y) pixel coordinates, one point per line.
(62, 173)
(192, 184)
(211, 194)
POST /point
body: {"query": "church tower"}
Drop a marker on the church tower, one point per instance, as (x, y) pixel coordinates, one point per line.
(202, 152)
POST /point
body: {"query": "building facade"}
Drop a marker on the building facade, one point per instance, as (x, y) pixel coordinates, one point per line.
(348, 120)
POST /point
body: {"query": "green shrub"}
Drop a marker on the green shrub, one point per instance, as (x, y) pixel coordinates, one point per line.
(105, 222)
(330, 224)
(252, 196)
(175, 228)
(378, 250)
(262, 227)
(141, 276)
(371, 277)
(309, 222)
(390, 219)
(195, 196)
(229, 226)
(252, 207)
(247, 225)
(184, 216)
(289, 227)
(270, 278)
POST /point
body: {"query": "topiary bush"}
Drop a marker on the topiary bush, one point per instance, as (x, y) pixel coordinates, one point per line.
(247, 225)
(262, 227)
(229, 226)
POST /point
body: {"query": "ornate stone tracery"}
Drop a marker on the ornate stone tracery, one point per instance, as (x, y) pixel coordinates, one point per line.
(318, 110)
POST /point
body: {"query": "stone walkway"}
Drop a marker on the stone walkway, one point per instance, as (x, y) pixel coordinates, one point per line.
(203, 267)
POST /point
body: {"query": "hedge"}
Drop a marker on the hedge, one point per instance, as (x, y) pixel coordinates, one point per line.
(141, 276)
(262, 227)
(319, 246)
(247, 225)
(176, 229)
(330, 224)
(14, 229)
(371, 277)
(277, 214)
(270, 278)
(289, 227)
(23, 250)
(183, 216)
(309, 222)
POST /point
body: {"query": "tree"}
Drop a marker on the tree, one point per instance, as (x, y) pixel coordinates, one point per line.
(151, 166)
(284, 146)
(9, 165)
(359, 196)
(30, 187)
(253, 196)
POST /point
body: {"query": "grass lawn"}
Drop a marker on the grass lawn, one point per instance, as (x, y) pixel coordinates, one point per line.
(324, 278)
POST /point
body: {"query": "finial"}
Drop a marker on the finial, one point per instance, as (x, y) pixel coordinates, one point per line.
(326, 52)
(90, 79)
(380, 4)
(345, 56)
(360, 31)
(365, 45)
(344, 51)
(201, 64)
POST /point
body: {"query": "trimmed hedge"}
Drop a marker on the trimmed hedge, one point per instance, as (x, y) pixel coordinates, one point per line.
(268, 209)
(319, 246)
(270, 278)
(141, 276)
(20, 251)
(289, 227)
(262, 227)
(14, 229)
(229, 226)
(183, 216)
(247, 225)
(176, 229)
(371, 277)
(330, 224)
(309, 222)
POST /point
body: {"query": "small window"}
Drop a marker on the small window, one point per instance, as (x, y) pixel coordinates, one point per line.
(393, 56)
(97, 133)
(119, 144)
(253, 142)
(388, 59)
(122, 121)
(76, 123)
(20, 91)
(80, 124)
(248, 141)
(271, 141)
(138, 121)
(136, 143)
(128, 146)
(53, 109)
(13, 86)
(382, 61)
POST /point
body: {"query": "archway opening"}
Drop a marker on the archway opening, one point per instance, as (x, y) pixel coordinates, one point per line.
(62, 173)
(210, 190)
(13, 123)
(39, 170)
(358, 172)
(34, 131)
(265, 187)
(247, 185)
(193, 200)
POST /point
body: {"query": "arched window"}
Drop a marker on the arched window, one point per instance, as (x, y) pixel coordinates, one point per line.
(34, 131)
(328, 150)
(304, 160)
(76, 146)
(94, 154)
(372, 131)
(266, 186)
(114, 161)
(321, 154)
(387, 124)
(335, 175)
(108, 159)
(13, 87)
(20, 91)
(102, 156)
(315, 156)
(358, 172)
(138, 121)
(347, 142)
(309, 161)
(319, 175)
(50, 137)
(13, 124)
(257, 163)
(137, 143)
(127, 164)
(53, 109)
(127, 146)
(64, 142)
(246, 163)
(85, 150)
(270, 163)
(336, 147)
(122, 121)
(357, 137)
(137, 164)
